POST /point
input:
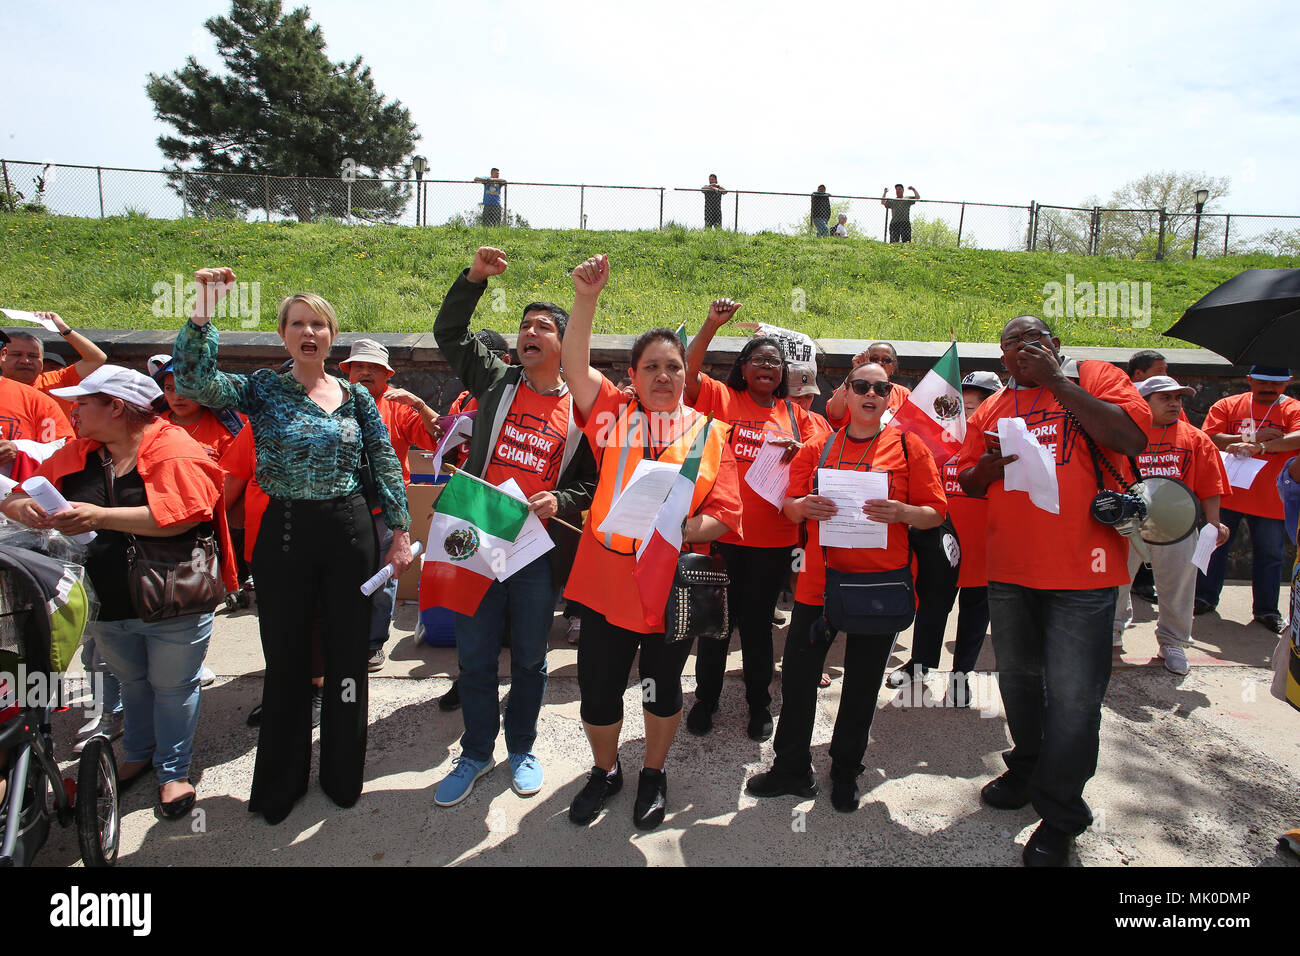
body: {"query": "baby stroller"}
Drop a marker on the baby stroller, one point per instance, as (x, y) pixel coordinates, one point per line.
(44, 608)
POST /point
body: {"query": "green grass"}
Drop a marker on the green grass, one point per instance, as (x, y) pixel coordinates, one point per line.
(100, 274)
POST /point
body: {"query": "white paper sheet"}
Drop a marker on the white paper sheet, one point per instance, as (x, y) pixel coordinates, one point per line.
(461, 428)
(633, 513)
(850, 490)
(768, 475)
(52, 502)
(1242, 470)
(1205, 545)
(532, 541)
(1035, 469)
(19, 315)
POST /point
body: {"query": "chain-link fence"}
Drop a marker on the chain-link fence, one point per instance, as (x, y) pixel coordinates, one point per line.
(100, 192)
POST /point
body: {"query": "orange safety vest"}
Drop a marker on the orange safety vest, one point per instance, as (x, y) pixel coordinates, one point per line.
(632, 433)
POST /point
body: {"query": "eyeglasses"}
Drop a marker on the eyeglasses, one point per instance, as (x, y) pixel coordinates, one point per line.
(764, 361)
(882, 360)
(1032, 337)
(861, 386)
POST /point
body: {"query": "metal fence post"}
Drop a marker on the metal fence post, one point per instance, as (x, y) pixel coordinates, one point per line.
(1160, 239)
(582, 198)
(960, 221)
(1031, 243)
(99, 175)
(735, 222)
(661, 207)
(9, 192)
(505, 204)
(1094, 220)
(1227, 221)
(266, 188)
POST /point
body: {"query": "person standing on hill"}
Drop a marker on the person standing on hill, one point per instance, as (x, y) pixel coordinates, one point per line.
(900, 212)
(492, 186)
(713, 194)
(821, 211)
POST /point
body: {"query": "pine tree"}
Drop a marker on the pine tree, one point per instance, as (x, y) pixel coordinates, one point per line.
(282, 108)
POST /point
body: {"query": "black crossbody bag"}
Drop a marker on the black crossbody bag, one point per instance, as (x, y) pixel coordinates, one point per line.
(868, 602)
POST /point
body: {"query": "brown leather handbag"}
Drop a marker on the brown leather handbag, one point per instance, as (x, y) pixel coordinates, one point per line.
(170, 577)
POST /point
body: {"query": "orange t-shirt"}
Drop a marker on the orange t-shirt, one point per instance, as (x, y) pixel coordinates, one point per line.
(1183, 451)
(897, 396)
(1227, 416)
(240, 461)
(913, 480)
(820, 425)
(530, 446)
(1070, 551)
(602, 579)
(26, 412)
(970, 518)
(210, 433)
(405, 428)
(764, 525)
(59, 378)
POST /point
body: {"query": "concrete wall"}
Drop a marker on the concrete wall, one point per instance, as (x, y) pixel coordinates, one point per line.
(422, 369)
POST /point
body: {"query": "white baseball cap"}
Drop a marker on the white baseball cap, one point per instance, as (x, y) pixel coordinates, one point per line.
(986, 381)
(124, 383)
(157, 362)
(1162, 383)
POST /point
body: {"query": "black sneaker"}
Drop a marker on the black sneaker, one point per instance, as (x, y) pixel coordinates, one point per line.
(959, 689)
(1271, 621)
(1047, 846)
(906, 674)
(651, 799)
(760, 725)
(451, 700)
(377, 659)
(1146, 592)
(601, 785)
(845, 795)
(1007, 792)
(700, 720)
(773, 784)
(254, 718)
(1202, 607)
(317, 698)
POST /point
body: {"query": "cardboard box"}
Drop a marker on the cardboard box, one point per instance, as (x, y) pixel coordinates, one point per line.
(419, 500)
(420, 463)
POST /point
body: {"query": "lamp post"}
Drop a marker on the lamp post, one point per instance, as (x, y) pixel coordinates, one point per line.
(419, 164)
(1202, 196)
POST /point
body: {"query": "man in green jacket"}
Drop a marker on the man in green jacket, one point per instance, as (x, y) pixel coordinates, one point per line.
(524, 429)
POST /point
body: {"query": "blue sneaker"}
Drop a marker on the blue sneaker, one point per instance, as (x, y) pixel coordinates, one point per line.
(525, 774)
(456, 786)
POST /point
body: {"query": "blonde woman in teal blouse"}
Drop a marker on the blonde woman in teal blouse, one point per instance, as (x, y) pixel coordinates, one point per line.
(316, 544)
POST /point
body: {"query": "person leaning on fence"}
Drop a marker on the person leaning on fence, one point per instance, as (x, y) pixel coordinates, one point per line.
(526, 430)
(713, 194)
(900, 212)
(1053, 576)
(492, 186)
(317, 541)
(1262, 423)
(623, 431)
(821, 211)
(163, 484)
(753, 402)
(915, 499)
(1174, 449)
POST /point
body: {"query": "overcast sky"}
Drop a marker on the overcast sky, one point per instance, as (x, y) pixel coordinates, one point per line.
(999, 102)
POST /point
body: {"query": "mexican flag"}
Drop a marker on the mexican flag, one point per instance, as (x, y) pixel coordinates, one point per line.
(656, 559)
(682, 336)
(934, 411)
(473, 528)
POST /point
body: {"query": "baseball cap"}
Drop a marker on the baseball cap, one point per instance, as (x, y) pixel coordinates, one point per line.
(58, 360)
(494, 340)
(124, 383)
(1162, 383)
(986, 381)
(157, 363)
(367, 350)
(801, 379)
(1269, 373)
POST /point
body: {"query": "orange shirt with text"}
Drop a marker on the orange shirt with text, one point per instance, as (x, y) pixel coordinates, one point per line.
(1228, 416)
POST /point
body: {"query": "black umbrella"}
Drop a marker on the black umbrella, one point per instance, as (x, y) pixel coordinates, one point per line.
(1252, 319)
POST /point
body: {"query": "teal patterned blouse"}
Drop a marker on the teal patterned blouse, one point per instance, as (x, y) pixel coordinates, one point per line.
(302, 452)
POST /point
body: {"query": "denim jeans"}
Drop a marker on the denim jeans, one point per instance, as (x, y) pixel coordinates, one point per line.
(158, 667)
(528, 598)
(385, 599)
(93, 662)
(822, 226)
(1266, 537)
(1054, 656)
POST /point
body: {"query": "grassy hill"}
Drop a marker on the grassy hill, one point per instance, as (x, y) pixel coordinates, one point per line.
(100, 274)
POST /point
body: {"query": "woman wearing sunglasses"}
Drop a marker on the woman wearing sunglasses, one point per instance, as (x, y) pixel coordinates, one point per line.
(753, 401)
(915, 499)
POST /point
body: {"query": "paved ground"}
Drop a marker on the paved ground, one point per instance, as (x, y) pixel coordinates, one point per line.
(1198, 770)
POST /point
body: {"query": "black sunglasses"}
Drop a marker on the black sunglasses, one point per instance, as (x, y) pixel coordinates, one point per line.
(861, 386)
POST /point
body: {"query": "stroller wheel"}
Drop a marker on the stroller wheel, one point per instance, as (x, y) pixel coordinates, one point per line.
(98, 817)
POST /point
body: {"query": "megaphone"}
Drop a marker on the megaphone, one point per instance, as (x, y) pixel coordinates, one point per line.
(1170, 512)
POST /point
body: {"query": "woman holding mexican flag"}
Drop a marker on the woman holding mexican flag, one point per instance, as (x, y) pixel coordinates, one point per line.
(624, 614)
